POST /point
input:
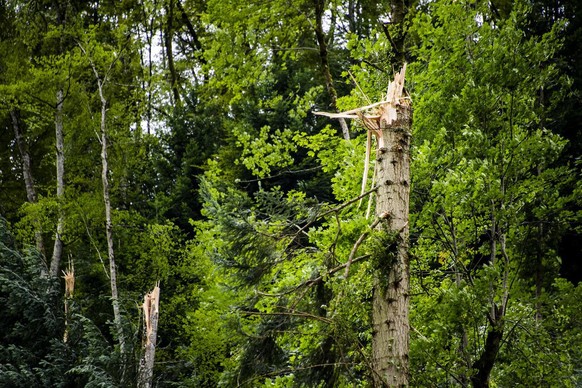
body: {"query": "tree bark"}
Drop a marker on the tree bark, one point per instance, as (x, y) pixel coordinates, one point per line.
(58, 245)
(486, 361)
(195, 42)
(28, 181)
(390, 341)
(109, 225)
(324, 60)
(168, 42)
(150, 321)
(101, 82)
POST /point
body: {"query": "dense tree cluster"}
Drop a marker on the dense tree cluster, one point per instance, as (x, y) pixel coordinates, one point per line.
(174, 141)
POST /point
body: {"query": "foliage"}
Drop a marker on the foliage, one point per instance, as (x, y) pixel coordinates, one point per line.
(227, 189)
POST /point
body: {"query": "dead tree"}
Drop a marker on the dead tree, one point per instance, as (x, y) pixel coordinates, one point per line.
(151, 304)
(390, 121)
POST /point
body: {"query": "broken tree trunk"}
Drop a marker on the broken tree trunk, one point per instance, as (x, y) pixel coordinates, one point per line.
(151, 303)
(390, 341)
(69, 276)
(390, 121)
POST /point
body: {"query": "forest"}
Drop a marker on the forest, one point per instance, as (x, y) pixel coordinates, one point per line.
(175, 210)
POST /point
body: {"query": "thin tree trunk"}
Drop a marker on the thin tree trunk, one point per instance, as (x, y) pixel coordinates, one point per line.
(168, 41)
(195, 42)
(28, 182)
(108, 224)
(398, 13)
(323, 57)
(58, 246)
(539, 273)
(150, 306)
(390, 341)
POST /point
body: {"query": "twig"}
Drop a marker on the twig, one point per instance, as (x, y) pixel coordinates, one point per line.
(313, 281)
(280, 174)
(292, 314)
(335, 209)
(458, 380)
(360, 241)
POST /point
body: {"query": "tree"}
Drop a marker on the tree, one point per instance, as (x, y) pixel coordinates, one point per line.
(390, 340)
(28, 177)
(205, 168)
(484, 157)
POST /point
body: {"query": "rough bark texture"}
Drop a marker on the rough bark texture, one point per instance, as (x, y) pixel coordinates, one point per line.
(150, 320)
(390, 341)
(28, 179)
(323, 57)
(58, 246)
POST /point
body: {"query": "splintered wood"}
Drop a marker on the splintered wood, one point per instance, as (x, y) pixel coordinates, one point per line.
(69, 276)
(151, 303)
(150, 307)
(390, 122)
(375, 115)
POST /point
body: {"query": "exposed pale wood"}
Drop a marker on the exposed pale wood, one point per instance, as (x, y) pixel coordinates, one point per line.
(351, 111)
(366, 165)
(69, 276)
(390, 121)
(151, 304)
(386, 111)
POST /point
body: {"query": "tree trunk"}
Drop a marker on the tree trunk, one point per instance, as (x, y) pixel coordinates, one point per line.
(486, 361)
(398, 13)
(58, 246)
(28, 181)
(195, 42)
(323, 57)
(390, 341)
(109, 226)
(168, 42)
(150, 321)
(484, 364)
